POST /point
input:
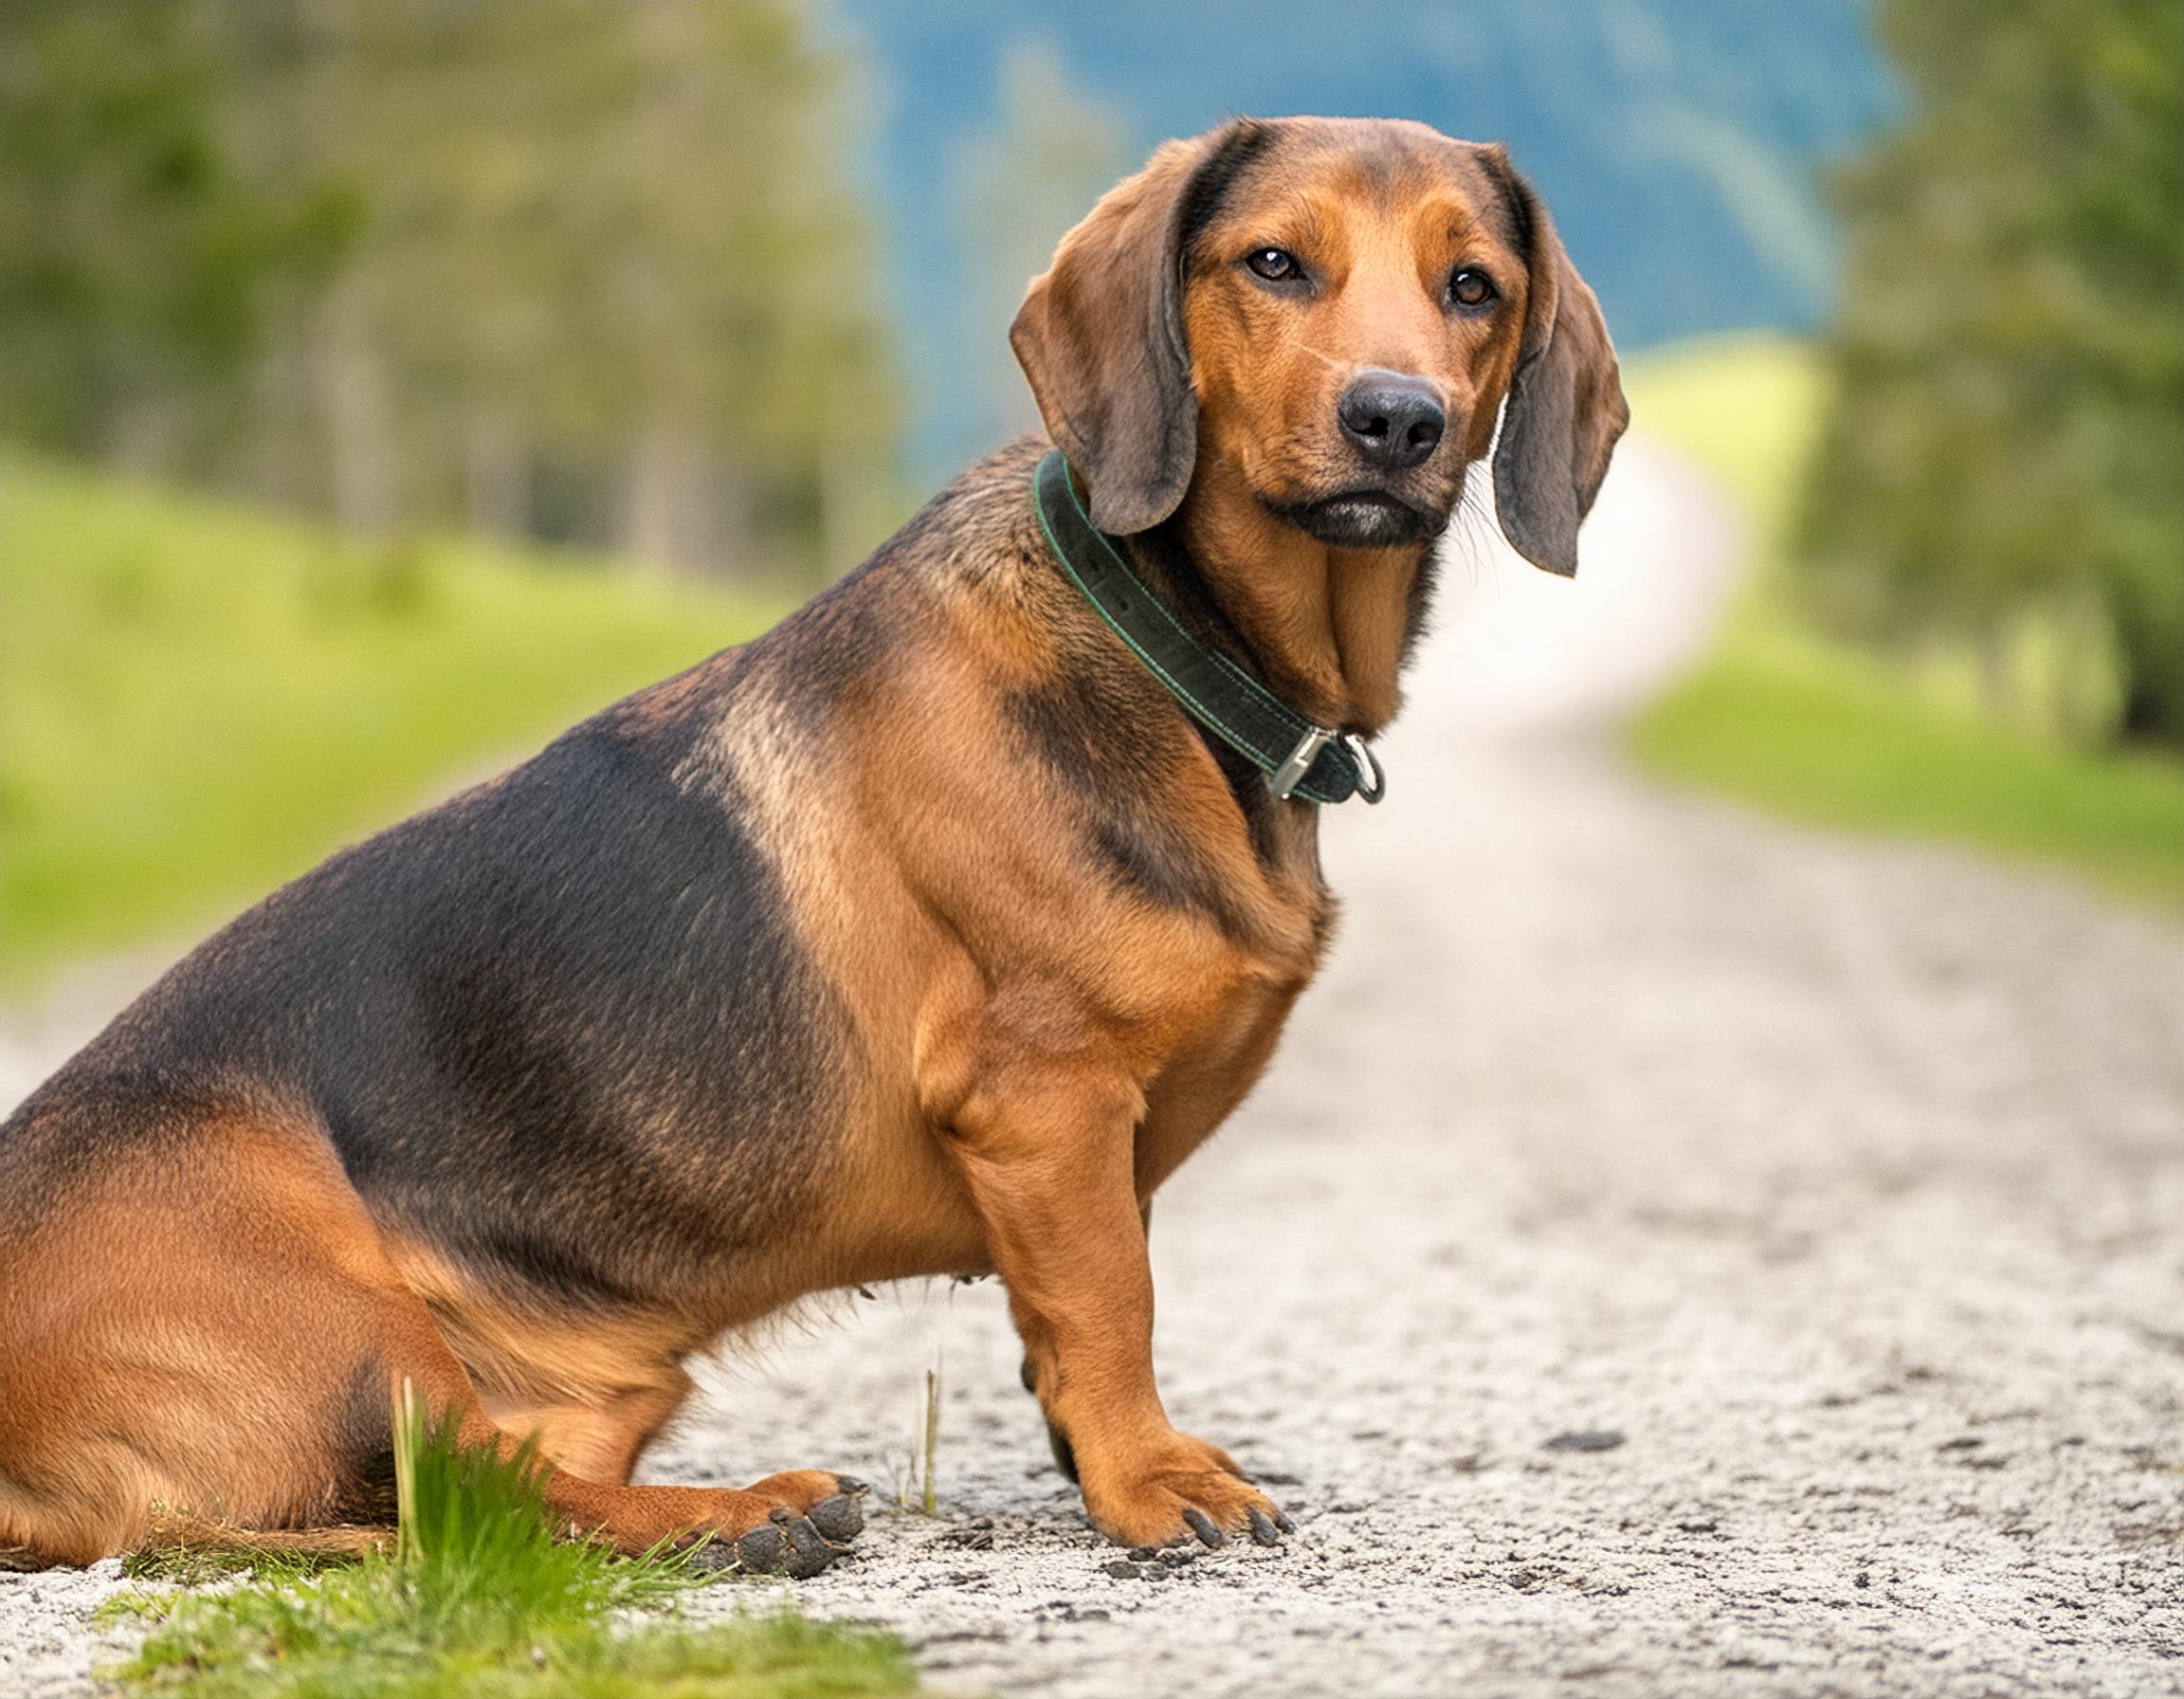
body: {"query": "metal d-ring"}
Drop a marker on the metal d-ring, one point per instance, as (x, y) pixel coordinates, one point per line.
(1361, 752)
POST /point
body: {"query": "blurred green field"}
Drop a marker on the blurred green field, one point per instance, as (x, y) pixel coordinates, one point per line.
(198, 699)
(1787, 719)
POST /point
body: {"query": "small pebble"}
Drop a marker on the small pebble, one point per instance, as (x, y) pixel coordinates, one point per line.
(1585, 1439)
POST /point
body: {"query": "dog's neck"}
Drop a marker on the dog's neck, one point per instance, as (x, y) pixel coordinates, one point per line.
(1326, 628)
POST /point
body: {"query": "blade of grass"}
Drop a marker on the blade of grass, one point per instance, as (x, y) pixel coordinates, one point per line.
(932, 1439)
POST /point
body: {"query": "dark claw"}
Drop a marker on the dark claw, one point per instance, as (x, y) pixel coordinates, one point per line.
(1202, 1524)
(840, 1518)
(1281, 1521)
(1262, 1530)
(1065, 1454)
(808, 1552)
(761, 1550)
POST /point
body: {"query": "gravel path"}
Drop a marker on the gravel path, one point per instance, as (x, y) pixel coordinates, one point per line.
(1673, 1253)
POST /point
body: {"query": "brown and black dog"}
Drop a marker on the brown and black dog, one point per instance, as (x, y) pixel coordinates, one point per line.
(926, 935)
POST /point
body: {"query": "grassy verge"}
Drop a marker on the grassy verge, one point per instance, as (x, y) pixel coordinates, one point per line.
(479, 1599)
(199, 699)
(1784, 718)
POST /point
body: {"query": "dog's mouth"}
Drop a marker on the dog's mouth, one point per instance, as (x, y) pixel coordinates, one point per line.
(1361, 519)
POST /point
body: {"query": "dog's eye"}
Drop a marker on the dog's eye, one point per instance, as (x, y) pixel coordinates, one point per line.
(1469, 288)
(1274, 264)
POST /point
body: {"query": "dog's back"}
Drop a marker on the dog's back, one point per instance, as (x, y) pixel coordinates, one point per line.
(539, 994)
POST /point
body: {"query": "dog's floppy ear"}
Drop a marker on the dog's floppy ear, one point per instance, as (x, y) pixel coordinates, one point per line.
(1100, 338)
(1566, 406)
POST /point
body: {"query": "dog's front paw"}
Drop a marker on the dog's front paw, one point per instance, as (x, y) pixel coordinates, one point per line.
(1179, 1490)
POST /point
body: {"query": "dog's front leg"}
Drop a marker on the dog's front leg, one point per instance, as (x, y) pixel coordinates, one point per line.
(1047, 1149)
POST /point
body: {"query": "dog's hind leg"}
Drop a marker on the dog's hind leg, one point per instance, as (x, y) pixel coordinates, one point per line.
(209, 1325)
(599, 1440)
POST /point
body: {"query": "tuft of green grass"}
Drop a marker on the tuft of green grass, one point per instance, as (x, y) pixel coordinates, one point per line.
(478, 1598)
(475, 1542)
(199, 699)
(1782, 716)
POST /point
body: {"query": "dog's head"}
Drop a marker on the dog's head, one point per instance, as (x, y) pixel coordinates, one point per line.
(1333, 312)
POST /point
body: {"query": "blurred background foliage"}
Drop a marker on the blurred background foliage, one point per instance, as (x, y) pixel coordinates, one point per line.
(384, 383)
(551, 268)
(2002, 463)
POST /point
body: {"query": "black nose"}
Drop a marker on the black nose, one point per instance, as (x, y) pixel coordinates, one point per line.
(1390, 419)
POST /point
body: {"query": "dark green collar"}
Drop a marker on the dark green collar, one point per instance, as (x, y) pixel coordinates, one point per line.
(1320, 763)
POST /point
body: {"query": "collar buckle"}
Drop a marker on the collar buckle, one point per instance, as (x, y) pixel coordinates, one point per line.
(1290, 774)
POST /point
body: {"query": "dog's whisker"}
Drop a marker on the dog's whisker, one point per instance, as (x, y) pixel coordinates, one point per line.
(1318, 354)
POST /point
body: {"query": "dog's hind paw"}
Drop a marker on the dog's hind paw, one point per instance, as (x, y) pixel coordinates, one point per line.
(788, 1545)
(840, 1517)
(814, 1515)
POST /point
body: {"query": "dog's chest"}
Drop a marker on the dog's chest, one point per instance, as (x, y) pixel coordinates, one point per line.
(1210, 1072)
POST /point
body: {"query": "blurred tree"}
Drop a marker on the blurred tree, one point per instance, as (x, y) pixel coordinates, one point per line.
(1018, 190)
(605, 275)
(2006, 439)
(614, 241)
(137, 258)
